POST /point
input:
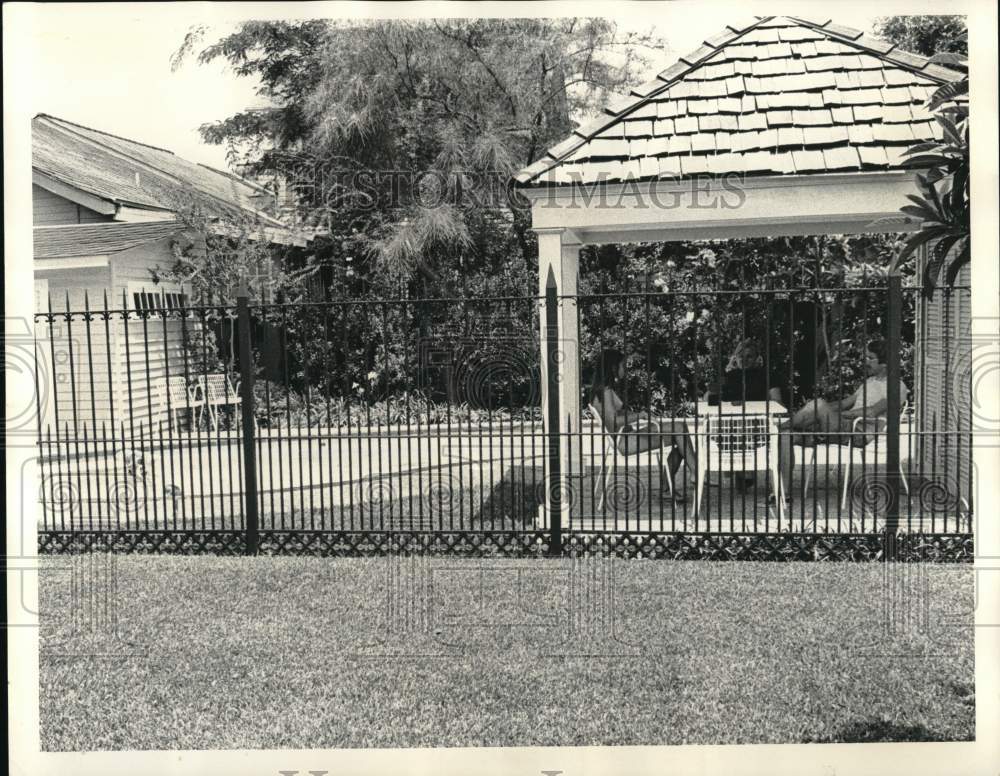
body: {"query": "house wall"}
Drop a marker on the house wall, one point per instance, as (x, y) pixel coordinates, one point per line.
(76, 385)
(50, 209)
(148, 350)
(944, 386)
(107, 375)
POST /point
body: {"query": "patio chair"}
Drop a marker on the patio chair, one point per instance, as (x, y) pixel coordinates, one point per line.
(872, 452)
(609, 442)
(736, 443)
(176, 396)
(219, 392)
(868, 454)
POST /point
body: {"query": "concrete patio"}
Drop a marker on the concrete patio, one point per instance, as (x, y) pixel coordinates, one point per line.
(447, 478)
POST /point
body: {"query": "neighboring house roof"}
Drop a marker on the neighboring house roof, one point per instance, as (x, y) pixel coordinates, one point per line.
(99, 239)
(126, 172)
(773, 95)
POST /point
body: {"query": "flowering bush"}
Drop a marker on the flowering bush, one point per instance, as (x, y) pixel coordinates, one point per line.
(811, 303)
(277, 407)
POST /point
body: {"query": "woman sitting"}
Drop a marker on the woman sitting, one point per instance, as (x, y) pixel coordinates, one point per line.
(635, 432)
(745, 378)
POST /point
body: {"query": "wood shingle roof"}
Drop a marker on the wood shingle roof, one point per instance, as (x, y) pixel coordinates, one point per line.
(127, 172)
(769, 96)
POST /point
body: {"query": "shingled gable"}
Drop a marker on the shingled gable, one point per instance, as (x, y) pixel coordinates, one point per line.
(127, 172)
(769, 96)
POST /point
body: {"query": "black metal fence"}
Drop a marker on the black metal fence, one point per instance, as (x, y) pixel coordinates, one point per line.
(425, 425)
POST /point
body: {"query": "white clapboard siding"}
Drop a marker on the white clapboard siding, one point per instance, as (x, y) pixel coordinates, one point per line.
(147, 354)
(50, 209)
(76, 356)
(97, 379)
(148, 351)
(944, 385)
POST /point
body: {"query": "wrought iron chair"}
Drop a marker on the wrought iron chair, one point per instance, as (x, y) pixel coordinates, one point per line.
(872, 452)
(867, 454)
(610, 444)
(736, 443)
(176, 396)
(219, 392)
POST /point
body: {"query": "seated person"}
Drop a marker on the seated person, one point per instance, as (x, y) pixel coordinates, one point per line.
(836, 418)
(745, 378)
(635, 431)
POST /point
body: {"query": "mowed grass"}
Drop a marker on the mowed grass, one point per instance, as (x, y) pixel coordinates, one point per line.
(271, 652)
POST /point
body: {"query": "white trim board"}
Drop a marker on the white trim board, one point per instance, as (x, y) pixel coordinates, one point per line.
(726, 208)
(70, 262)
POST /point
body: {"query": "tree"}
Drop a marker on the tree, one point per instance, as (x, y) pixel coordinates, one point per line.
(942, 204)
(413, 129)
(399, 136)
(925, 35)
(399, 139)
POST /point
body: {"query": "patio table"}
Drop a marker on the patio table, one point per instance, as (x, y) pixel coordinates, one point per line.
(766, 408)
(741, 419)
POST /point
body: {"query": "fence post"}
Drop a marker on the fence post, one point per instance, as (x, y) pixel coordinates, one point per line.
(247, 408)
(554, 489)
(893, 344)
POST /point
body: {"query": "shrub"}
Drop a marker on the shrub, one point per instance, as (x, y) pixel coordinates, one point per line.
(279, 407)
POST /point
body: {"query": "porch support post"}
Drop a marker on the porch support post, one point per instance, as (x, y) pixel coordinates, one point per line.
(559, 253)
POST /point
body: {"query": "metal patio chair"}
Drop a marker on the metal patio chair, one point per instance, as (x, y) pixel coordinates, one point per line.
(872, 452)
(177, 396)
(220, 392)
(868, 454)
(609, 442)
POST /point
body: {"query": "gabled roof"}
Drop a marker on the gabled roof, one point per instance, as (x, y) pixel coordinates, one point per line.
(126, 172)
(769, 96)
(99, 239)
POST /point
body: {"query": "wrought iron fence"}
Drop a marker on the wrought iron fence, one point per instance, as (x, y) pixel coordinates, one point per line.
(467, 425)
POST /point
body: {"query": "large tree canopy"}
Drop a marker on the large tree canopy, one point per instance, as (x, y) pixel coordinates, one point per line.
(401, 137)
(925, 35)
(942, 205)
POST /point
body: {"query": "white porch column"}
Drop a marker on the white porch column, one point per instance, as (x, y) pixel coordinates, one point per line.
(559, 253)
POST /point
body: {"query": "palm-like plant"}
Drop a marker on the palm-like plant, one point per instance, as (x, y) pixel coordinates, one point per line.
(942, 204)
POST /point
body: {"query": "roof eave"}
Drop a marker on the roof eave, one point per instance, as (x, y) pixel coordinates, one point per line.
(538, 190)
(56, 185)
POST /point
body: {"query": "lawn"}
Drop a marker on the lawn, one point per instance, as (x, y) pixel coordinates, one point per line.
(210, 652)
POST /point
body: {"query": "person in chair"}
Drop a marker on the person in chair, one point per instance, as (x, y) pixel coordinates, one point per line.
(636, 432)
(745, 378)
(821, 421)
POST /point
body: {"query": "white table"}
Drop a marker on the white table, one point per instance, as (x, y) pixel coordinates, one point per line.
(699, 425)
(766, 408)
